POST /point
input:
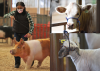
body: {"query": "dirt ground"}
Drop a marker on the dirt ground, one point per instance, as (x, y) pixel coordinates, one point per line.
(7, 61)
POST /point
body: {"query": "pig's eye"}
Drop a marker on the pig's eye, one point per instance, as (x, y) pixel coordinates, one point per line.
(18, 47)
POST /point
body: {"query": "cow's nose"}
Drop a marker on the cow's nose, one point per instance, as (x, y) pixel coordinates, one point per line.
(70, 26)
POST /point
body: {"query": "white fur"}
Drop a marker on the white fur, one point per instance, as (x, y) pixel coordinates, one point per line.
(89, 59)
(35, 52)
(87, 19)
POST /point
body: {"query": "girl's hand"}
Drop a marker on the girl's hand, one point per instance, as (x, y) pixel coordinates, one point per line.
(12, 17)
(28, 35)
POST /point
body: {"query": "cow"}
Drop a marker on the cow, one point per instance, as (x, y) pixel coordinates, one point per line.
(81, 18)
(83, 59)
(31, 50)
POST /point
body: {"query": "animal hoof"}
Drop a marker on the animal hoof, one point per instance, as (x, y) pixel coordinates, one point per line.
(17, 66)
(38, 66)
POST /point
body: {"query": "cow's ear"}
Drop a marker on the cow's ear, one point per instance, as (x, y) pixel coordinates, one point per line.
(21, 41)
(60, 9)
(15, 40)
(86, 8)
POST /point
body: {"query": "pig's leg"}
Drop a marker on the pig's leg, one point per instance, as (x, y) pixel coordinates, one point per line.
(28, 63)
(12, 38)
(39, 64)
(25, 60)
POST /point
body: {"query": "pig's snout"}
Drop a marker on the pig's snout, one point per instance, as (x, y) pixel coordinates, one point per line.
(12, 52)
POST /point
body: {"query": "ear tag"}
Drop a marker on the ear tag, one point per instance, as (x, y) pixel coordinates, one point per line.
(22, 42)
(86, 11)
(62, 40)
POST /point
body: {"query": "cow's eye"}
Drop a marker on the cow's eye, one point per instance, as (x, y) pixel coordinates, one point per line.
(71, 43)
(77, 14)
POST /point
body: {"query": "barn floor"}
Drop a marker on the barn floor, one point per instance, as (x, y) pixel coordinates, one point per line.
(7, 61)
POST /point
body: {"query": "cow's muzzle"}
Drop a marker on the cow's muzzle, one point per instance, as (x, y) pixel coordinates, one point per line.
(63, 52)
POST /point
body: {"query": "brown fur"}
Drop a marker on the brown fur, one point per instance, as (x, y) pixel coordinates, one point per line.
(45, 43)
(23, 48)
(61, 9)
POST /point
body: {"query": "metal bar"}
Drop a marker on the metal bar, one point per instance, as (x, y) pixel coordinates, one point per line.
(36, 28)
(39, 29)
(4, 6)
(43, 25)
(50, 18)
(98, 17)
(44, 7)
(38, 8)
(47, 19)
(4, 11)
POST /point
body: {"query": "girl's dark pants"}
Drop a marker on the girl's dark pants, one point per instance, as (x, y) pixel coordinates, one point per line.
(18, 37)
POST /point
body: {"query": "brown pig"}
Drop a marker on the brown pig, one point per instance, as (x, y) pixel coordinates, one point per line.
(31, 50)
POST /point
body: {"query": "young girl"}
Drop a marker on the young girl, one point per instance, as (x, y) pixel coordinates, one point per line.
(21, 25)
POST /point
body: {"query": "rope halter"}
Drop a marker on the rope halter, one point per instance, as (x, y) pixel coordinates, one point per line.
(75, 19)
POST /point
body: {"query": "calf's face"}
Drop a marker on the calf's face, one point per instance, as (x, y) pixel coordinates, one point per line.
(64, 51)
(18, 48)
(73, 12)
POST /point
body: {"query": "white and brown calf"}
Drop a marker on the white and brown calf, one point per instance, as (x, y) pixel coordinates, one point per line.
(32, 50)
(83, 59)
(75, 13)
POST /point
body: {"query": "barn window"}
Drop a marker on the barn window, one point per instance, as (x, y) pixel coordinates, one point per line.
(32, 3)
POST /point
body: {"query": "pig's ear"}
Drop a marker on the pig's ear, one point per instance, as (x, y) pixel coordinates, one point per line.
(15, 40)
(60, 10)
(21, 41)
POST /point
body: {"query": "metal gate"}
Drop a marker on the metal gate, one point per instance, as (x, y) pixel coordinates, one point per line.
(41, 26)
(5, 6)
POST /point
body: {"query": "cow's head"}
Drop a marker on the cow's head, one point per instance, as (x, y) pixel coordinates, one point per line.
(73, 11)
(65, 51)
(74, 46)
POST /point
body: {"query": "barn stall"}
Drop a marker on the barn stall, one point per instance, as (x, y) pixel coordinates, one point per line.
(58, 25)
(39, 11)
(61, 18)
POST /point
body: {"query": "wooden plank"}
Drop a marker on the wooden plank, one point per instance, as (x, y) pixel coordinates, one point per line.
(56, 64)
(58, 24)
(79, 2)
